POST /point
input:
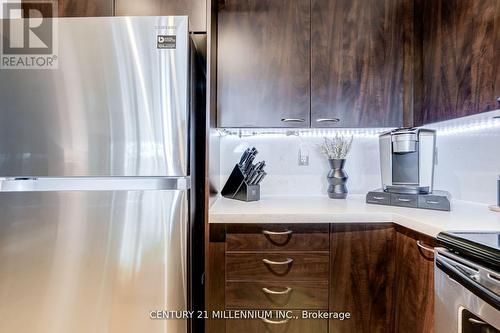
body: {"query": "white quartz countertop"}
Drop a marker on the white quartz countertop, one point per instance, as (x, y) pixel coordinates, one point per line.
(463, 216)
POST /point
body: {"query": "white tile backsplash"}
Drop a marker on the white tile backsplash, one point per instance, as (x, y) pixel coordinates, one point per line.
(286, 177)
(468, 161)
(469, 165)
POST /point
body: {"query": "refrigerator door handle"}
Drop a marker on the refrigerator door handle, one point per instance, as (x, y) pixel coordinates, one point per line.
(43, 184)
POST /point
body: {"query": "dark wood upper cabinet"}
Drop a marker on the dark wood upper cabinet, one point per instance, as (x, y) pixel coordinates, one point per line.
(263, 68)
(414, 292)
(195, 9)
(319, 63)
(76, 8)
(79, 8)
(357, 61)
(461, 65)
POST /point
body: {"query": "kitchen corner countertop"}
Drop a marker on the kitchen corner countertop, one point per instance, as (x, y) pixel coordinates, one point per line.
(318, 209)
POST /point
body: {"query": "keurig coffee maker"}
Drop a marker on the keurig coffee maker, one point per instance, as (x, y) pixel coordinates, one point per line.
(407, 158)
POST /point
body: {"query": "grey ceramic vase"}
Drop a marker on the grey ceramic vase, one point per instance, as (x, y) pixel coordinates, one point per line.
(337, 179)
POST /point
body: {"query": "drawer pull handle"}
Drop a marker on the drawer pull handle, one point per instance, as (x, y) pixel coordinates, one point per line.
(267, 232)
(293, 120)
(378, 198)
(275, 322)
(431, 202)
(404, 200)
(273, 292)
(270, 262)
(424, 247)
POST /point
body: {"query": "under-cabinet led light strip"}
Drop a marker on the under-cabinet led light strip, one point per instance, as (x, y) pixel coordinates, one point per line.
(302, 132)
(471, 124)
(477, 126)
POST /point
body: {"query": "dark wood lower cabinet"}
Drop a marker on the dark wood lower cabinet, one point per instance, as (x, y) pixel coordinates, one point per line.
(277, 266)
(362, 276)
(280, 326)
(414, 288)
(215, 264)
(374, 271)
(276, 237)
(278, 295)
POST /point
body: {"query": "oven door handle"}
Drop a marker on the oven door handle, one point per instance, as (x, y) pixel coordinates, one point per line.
(468, 282)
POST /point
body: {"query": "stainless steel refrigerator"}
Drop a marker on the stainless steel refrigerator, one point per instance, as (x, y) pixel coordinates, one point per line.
(94, 189)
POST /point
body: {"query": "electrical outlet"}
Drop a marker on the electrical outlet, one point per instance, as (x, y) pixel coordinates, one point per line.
(303, 157)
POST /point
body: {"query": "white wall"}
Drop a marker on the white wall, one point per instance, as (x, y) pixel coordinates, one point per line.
(468, 161)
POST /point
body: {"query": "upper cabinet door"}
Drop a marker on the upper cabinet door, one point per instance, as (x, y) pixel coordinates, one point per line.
(80, 8)
(85, 8)
(357, 63)
(461, 66)
(263, 70)
(195, 9)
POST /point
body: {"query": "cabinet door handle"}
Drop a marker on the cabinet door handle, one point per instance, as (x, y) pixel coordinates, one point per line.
(274, 292)
(477, 322)
(424, 247)
(404, 200)
(267, 232)
(271, 262)
(275, 322)
(494, 278)
(327, 120)
(293, 120)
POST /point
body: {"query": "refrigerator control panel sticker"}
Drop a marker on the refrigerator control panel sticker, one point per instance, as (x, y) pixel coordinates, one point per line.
(165, 42)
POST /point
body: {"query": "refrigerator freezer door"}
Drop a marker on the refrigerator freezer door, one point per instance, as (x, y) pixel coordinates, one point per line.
(85, 261)
(116, 106)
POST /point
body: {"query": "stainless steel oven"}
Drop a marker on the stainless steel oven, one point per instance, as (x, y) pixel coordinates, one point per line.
(467, 297)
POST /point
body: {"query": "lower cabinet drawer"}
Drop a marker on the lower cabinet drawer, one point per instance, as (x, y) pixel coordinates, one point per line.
(277, 266)
(277, 237)
(277, 295)
(280, 326)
